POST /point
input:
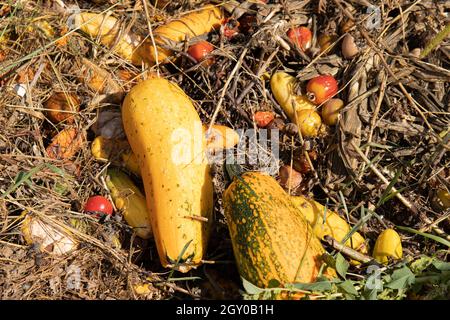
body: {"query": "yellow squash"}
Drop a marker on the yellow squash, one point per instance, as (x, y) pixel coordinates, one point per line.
(331, 224)
(165, 134)
(117, 151)
(130, 200)
(188, 26)
(220, 137)
(388, 245)
(283, 89)
(270, 239)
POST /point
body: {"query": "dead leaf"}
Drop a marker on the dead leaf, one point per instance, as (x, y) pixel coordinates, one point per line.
(65, 144)
(99, 80)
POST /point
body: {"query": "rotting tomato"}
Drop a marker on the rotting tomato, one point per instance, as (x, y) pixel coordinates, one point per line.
(289, 177)
(263, 118)
(200, 50)
(230, 28)
(325, 41)
(301, 37)
(330, 111)
(99, 206)
(349, 47)
(302, 164)
(321, 88)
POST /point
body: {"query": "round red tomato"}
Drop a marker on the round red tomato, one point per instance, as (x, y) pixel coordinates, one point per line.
(98, 205)
(301, 37)
(321, 88)
(200, 50)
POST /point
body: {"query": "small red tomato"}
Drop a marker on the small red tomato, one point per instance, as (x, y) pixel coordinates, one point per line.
(321, 88)
(263, 118)
(98, 205)
(301, 37)
(200, 50)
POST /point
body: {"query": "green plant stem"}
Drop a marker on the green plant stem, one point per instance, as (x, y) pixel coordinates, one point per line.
(436, 41)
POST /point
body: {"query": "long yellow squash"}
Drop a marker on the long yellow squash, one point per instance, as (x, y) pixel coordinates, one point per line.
(108, 30)
(188, 26)
(130, 200)
(165, 133)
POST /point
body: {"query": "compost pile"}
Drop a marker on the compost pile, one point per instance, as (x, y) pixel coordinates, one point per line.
(376, 155)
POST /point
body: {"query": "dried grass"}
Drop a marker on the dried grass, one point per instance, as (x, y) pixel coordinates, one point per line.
(397, 114)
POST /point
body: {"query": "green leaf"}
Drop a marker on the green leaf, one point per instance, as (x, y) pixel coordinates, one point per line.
(421, 264)
(328, 259)
(341, 265)
(401, 273)
(373, 284)
(315, 286)
(349, 296)
(391, 195)
(401, 279)
(250, 288)
(179, 259)
(387, 194)
(398, 284)
(22, 178)
(60, 188)
(441, 265)
(56, 170)
(426, 235)
(370, 294)
(348, 287)
(433, 278)
(232, 168)
(358, 225)
(341, 195)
